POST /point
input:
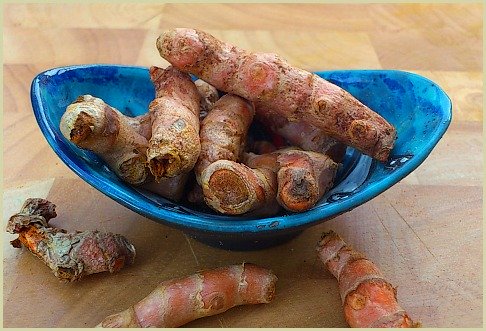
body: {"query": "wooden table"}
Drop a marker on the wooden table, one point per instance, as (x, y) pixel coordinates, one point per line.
(425, 233)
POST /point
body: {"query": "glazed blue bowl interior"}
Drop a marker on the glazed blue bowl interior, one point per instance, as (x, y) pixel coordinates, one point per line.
(416, 106)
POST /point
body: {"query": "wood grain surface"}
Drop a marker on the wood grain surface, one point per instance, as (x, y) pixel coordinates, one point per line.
(425, 233)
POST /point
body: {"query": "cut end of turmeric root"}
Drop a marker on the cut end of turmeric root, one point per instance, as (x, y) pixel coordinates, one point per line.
(233, 188)
(297, 190)
(226, 188)
(369, 300)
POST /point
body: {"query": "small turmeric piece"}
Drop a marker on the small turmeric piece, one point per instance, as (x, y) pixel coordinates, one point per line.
(223, 131)
(93, 125)
(278, 88)
(369, 300)
(71, 256)
(174, 146)
(179, 301)
(303, 177)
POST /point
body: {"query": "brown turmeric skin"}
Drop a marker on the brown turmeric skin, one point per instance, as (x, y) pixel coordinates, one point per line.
(179, 301)
(224, 131)
(174, 146)
(119, 140)
(209, 95)
(369, 300)
(71, 256)
(303, 135)
(280, 89)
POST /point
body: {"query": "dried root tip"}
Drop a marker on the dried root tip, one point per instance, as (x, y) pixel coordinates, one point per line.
(70, 256)
(165, 165)
(233, 188)
(124, 319)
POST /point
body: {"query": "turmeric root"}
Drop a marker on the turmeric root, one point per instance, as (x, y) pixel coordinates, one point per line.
(275, 86)
(223, 131)
(209, 95)
(262, 147)
(303, 135)
(174, 146)
(168, 187)
(179, 301)
(92, 124)
(234, 188)
(71, 256)
(303, 177)
(296, 179)
(369, 300)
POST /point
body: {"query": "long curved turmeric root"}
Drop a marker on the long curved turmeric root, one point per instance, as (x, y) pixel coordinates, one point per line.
(71, 256)
(179, 301)
(369, 300)
(223, 131)
(275, 86)
(92, 124)
(174, 146)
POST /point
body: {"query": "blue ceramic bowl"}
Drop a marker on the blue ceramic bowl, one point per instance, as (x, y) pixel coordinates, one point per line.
(416, 106)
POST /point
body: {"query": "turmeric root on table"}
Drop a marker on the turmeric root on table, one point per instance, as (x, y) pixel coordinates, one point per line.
(92, 124)
(179, 301)
(71, 256)
(369, 300)
(174, 146)
(276, 87)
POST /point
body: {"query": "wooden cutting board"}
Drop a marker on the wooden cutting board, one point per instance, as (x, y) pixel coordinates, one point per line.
(425, 233)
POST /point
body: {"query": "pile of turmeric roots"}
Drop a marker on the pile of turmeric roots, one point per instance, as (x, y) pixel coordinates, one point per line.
(193, 142)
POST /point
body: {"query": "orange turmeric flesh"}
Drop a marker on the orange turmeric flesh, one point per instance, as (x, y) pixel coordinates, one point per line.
(179, 301)
(369, 300)
(279, 88)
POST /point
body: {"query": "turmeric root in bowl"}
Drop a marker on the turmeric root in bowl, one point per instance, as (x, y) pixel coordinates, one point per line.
(418, 109)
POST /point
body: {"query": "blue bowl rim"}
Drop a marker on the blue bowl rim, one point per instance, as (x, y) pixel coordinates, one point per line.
(269, 224)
